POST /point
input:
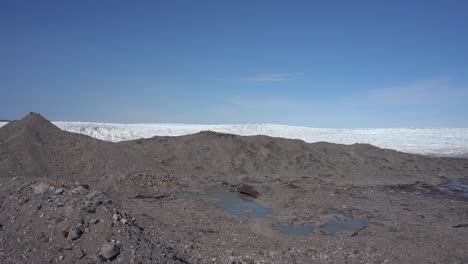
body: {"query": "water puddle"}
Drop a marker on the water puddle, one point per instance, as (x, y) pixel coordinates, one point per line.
(334, 227)
(452, 189)
(238, 204)
(295, 230)
(232, 202)
(455, 188)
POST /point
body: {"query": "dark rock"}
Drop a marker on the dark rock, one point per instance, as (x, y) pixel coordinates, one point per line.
(143, 196)
(292, 186)
(247, 190)
(23, 201)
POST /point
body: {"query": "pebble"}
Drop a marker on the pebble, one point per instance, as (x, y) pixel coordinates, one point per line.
(109, 250)
(64, 228)
(93, 194)
(75, 233)
(41, 188)
(116, 217)
(59, 191)
(79, 190)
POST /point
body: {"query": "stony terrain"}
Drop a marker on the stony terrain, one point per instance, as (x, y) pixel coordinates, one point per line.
(70, 198)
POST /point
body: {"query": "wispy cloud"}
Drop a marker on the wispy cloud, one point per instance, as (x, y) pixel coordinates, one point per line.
(435, 102)
(262, 103)
(268, 77)
(428, 92)
(265, 77)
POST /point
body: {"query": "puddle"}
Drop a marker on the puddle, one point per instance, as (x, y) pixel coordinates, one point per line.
(295, 230)
(455, 188)
(452, 189)
(243, 205)
(338, 226)
(232, 202)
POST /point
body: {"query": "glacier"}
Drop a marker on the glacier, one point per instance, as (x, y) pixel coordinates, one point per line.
(446, 142)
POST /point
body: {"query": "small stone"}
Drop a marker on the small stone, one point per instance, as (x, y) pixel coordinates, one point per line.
(23, 201)
(67, 247)
(41, 188)
(109, 250)
(60, 258)
(90, 210)
(79, 190)
(80, 254)
(59, 191)
(116, 217)
(63, 229)
(93, 194)
(123, 221)
(93, 220)
(74, 233)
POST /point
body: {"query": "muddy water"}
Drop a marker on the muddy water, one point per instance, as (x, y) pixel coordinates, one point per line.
(232, 202)
(454, 188)
(242, 205)
(295, 230)
(334, 227)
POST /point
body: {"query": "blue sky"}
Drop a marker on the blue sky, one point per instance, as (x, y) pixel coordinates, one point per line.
(312, 63)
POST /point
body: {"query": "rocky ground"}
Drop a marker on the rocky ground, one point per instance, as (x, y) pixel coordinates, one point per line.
(68, 198)
(46, 221)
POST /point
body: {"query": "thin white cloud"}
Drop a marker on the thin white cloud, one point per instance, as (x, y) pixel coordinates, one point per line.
(264, 77)
(421, 103)
(262, 103)
(435, 92)
(270, 77)
(429, 92)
